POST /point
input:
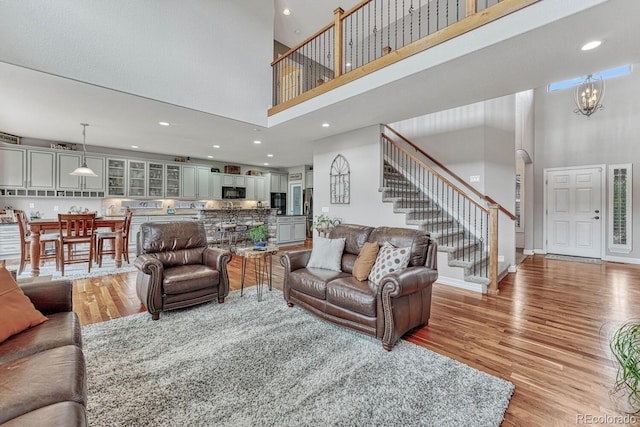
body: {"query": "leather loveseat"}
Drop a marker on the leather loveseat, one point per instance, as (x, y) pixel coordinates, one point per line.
(177, 269)
(42, 369)
(400, 301)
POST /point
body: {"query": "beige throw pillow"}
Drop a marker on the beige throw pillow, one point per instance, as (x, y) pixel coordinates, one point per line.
(17, 313)
(366, 259)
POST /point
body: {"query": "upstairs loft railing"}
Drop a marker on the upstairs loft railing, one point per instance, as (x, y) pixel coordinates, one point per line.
(372, 35)
(465, 220)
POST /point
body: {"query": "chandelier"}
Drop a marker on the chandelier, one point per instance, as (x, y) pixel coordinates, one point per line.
(589, 96)
(84, 170)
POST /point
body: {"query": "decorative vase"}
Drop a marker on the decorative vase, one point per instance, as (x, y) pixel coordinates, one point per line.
(261, 244)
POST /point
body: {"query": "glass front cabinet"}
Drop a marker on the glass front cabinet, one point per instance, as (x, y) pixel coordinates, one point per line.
(137, 178)
(156, 179)
(173, 181)
(116, 177)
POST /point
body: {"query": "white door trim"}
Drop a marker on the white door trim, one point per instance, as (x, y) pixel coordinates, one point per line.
(604, 213)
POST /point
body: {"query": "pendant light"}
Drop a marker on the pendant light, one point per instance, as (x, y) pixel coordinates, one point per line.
(84, 170)
(588, 96)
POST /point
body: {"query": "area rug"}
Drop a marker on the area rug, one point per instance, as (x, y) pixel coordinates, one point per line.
(247, 363)
(79, 271)
(573, 259)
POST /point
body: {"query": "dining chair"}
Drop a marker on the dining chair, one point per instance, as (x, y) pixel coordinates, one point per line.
(76, 229)
(25, 244)
(103, 236)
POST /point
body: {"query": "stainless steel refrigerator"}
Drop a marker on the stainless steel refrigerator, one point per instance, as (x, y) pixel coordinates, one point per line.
(307, 206)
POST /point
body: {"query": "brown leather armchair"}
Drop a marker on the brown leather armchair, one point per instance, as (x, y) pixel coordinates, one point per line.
(177, 269)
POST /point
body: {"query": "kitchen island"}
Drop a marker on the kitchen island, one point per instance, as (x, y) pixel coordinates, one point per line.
(244, 218)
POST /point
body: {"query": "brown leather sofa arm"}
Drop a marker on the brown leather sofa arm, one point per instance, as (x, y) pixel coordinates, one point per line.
(432, 256)
(149, 265)
(294, 260)
(50, 297)
(216, 258)
(407, 281)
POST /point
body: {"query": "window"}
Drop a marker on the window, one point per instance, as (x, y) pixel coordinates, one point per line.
(620, 213)
(607, 74)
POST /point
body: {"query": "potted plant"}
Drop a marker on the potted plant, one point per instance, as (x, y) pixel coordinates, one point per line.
(323, 223)
(625, 346)
(259, 235)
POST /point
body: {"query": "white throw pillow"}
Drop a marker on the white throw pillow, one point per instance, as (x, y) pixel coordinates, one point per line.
(326, 253)
(389, 259)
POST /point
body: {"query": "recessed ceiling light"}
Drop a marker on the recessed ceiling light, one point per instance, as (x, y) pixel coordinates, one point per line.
(286, 12)
(209, 157)
(591, 45)
(325, 125)
(266, 164)
(257, 142)
(216, 146)
(163, 123)
(134, 146)
(269, 155)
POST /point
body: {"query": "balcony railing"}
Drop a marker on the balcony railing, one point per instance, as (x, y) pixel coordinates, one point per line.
(372, 35)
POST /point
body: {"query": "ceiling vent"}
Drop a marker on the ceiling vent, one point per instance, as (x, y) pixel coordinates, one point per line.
(11, 139)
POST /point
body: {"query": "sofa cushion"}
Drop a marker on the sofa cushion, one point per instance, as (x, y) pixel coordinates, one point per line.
(366, 258)
(42, 379)
(18, 313)
(354, 235)
(417, 240)
(389, 259)
(352, 294)
(326, 253)
(61, 329)
(312, 281)
(187, 278)
(61, 414)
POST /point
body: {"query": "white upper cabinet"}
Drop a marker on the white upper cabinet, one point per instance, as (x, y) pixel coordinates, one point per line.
(13, 167)
(41, 170)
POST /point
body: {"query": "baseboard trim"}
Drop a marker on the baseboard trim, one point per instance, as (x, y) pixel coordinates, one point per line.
(512, 269)
(539, 252)
(457, 283)
(622, 259)
(528, 252)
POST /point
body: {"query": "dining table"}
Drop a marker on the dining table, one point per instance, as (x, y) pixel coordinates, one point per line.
(39, 226)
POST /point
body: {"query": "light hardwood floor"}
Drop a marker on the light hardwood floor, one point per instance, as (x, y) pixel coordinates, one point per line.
(547, 331)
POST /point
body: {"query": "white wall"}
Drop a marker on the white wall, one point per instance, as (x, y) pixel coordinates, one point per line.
(475, 140)
(610, 136)
(361, 148)
(158, 49)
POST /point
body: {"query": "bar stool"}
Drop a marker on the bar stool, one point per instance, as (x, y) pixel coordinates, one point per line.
(102, 236)
(25, 244)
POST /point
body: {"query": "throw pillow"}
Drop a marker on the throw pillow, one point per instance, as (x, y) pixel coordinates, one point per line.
(17, 313)
(389, 259)
(326, 253)
(365, 260)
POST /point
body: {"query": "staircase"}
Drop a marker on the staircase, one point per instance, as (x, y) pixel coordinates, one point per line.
(459, 222)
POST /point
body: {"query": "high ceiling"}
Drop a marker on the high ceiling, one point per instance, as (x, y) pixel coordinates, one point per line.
(33, 103)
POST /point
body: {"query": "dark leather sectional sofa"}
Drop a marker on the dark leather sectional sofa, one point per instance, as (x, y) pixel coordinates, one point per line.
(42, 369)
(399, 303)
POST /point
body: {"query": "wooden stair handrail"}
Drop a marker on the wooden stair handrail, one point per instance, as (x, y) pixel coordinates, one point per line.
(435, 173)
(447, 170)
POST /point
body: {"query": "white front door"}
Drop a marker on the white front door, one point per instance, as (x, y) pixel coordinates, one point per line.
(574, 211)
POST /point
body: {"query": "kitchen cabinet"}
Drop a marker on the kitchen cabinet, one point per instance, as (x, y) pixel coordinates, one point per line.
(189, 182)
(216, 186)
(291, 229)
(229, 180)
(204, 182)
(173, 181)
(137, 178)
(41, 170)
(116, 177)
(13, 170)
(68, 162)
(155, 182)
(279, 182)
(256, 188)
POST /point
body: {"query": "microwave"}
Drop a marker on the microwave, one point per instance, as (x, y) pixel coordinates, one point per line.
(234, 192)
